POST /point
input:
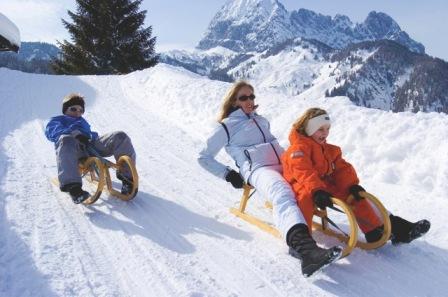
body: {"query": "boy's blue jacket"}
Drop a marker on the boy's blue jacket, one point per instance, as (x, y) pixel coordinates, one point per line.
(64, 124)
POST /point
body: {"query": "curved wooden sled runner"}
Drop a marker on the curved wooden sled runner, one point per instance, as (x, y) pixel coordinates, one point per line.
(350, 238)
(95, 170)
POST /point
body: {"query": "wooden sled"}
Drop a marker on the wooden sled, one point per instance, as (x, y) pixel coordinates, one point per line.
(350, 238)
(95, 170)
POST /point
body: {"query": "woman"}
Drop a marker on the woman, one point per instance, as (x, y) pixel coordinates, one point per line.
(317, 171)
(247, 138)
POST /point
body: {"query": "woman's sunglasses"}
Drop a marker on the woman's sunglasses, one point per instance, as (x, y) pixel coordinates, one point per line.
(76, 109)
(246, 97)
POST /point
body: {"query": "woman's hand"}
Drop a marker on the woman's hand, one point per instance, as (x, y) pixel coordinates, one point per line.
(235, 179)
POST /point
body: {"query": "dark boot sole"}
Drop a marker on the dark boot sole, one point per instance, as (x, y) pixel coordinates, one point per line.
(335, 254)
(81, 199)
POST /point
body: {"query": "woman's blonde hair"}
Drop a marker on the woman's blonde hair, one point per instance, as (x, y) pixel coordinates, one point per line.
(301, 123)
(230, 98)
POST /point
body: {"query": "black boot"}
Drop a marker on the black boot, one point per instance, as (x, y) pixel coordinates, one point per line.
(76, 192)
(375, 234)
(302, 246)
(404, 231)
(126, 188)
(127, 184)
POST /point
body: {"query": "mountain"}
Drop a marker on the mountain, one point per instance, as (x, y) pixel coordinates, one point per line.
(246, 25)
(214, 63)
(256, 25)
(33, 57)
(386, 75)
(378, 74)
(37, 51)
(374, 63)
(282, 61)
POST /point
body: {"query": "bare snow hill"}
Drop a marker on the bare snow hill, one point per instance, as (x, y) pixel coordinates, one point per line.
(177, 238)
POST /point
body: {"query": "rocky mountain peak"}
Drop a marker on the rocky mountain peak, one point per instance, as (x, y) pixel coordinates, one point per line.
(380, 25)
(257, 25)
(241, 24)
(246, 10)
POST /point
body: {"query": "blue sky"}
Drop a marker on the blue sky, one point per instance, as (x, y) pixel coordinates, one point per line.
(180, 23)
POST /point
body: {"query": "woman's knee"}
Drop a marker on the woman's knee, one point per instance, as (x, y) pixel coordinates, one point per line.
(281, 193)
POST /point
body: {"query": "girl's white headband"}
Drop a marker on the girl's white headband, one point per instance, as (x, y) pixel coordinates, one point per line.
(315, 123)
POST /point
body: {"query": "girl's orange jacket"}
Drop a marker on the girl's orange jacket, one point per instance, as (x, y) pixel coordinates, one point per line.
(309, 166)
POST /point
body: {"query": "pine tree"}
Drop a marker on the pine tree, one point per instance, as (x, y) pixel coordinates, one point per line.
(108, 38)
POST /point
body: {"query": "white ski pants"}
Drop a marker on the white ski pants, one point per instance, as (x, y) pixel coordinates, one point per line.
(270, 185)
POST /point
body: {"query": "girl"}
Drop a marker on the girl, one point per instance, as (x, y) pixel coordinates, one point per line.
(317, 171)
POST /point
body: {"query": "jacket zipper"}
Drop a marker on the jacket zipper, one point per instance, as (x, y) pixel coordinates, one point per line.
(264, 140)
(329, 170)
(264, 136)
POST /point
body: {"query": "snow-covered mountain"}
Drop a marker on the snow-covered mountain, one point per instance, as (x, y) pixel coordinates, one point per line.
(34, 57)
(282, 67)
(386, 75)
(214, 63)
(177, 237)
(257, 25)
(247, 25)
(378, 74)
(37, 50)
(374, 63)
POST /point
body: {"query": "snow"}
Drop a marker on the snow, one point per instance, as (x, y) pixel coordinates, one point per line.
(290, 71)
(177, 238)
(238, 10)
(9, 30)
(219, 50)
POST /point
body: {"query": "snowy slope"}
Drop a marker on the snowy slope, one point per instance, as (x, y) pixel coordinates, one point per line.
(177, 238)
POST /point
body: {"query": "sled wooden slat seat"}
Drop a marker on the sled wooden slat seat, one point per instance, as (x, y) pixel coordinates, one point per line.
(350, 238)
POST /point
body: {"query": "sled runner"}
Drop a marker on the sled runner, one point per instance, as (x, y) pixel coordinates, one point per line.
(326, 224)
(95, 170)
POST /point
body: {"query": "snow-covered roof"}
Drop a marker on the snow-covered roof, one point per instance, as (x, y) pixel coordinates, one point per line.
(9, 35)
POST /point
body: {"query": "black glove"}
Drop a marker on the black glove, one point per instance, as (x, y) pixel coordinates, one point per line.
(322, 199)
(83, 139)
(354, 190)
(235, 179)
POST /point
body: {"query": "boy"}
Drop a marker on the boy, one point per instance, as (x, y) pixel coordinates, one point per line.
(71, 134)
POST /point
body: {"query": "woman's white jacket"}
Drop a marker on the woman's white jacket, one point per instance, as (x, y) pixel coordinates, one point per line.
(247, 139)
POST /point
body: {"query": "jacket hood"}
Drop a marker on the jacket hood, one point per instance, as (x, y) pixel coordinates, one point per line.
(295, 137)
